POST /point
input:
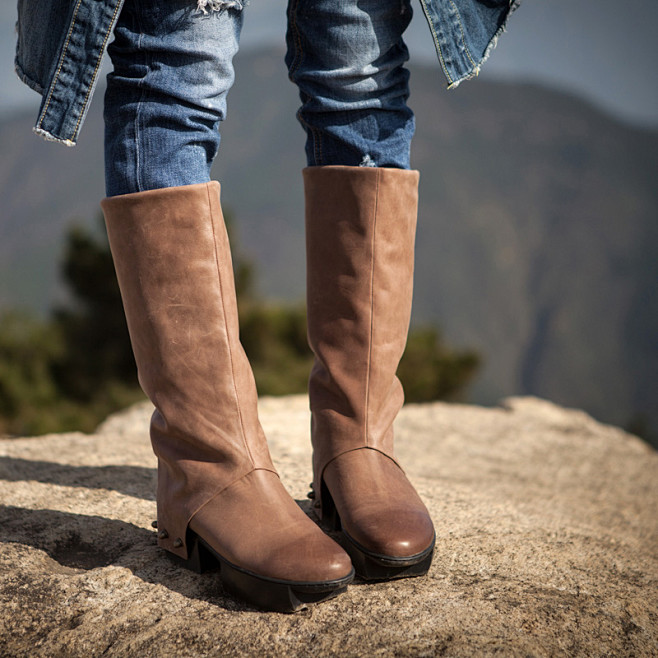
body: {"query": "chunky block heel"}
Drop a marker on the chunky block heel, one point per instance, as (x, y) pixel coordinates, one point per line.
(328, 511)
(278, 595)
(264, 593)
(200, 559)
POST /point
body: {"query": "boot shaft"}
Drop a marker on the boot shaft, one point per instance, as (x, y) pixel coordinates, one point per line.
(360, 232)
(173, 263)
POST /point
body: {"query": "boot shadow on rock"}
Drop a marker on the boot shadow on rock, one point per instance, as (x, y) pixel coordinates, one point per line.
(79, 542)
(136, 481)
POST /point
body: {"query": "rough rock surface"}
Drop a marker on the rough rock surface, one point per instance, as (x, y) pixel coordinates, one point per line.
(547, 528)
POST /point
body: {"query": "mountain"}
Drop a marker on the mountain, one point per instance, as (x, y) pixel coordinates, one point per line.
(537, 240)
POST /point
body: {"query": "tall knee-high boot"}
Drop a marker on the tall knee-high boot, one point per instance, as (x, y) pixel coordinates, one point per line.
(220, 501)
(360, 231)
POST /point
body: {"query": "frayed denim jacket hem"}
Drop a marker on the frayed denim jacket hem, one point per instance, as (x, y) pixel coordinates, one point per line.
(61, 44)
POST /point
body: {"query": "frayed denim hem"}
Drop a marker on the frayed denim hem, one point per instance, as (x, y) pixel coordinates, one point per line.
(51, 138)
(514, 5)
(219, 5)
(35, 86)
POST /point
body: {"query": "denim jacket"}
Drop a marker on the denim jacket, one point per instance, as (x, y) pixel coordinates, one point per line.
(61, 44)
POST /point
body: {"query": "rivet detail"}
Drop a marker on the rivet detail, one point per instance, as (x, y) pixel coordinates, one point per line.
(163, 534)
(178, 542)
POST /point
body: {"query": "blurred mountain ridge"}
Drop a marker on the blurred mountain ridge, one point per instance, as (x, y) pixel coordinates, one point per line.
(537, 241)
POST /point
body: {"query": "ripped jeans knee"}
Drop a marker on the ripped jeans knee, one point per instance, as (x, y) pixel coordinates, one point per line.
(219, 5)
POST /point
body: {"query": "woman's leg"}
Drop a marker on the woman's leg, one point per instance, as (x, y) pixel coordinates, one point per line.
(166, 97)
(347, 59)
(219, 498)
(361, 206)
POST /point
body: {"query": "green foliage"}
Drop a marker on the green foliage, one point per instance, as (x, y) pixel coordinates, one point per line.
(72, 370)
(27, 351)
(274, 338)
(32, 399)
(97, 352)
(430, 370)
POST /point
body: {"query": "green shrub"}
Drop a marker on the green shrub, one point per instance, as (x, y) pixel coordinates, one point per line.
(71, 371)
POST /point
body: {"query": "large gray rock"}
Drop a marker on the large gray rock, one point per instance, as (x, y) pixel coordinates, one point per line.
(547, 545)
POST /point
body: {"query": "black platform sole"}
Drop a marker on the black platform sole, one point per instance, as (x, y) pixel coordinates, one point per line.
(367, 564)
(265, 593)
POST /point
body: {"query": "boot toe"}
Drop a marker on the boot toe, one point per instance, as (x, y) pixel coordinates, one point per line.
(271, 536)
(395, 533)
(318, 559)
(379, 508)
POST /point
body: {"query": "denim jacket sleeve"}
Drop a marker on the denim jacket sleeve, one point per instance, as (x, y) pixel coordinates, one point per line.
(465, 32)
(61, 44)
(58, 54)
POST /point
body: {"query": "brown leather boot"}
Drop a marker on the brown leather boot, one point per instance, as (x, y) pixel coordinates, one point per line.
(220, 501)
(360, 229)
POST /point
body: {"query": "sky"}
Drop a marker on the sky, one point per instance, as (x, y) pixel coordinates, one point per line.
(603, 50)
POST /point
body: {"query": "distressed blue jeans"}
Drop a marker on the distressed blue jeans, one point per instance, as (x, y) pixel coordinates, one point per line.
(172, 70)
